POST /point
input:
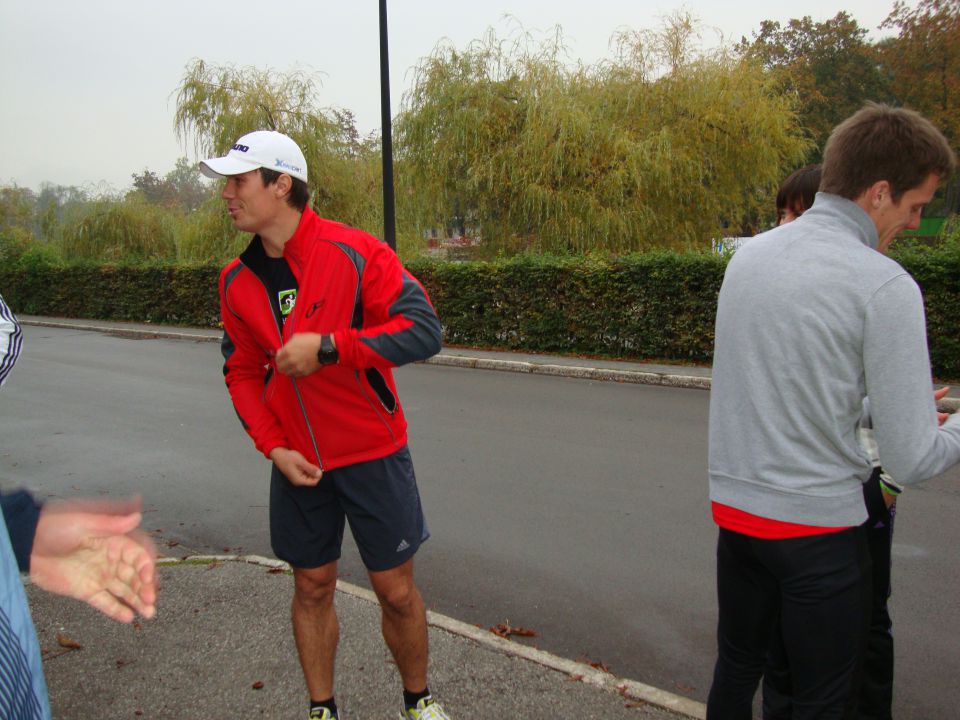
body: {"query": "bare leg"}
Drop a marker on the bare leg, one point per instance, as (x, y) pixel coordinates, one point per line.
(315, 626)
(404, 623)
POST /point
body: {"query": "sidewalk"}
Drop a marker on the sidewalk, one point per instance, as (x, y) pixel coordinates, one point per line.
(221, 646)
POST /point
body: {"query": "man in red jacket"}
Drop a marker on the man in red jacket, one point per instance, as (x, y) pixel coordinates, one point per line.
(315, 315)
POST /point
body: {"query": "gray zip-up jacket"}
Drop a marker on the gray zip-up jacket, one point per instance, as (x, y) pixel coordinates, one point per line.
(811, 319)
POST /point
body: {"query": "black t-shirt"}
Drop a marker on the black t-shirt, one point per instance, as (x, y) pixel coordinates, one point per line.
(281, 287)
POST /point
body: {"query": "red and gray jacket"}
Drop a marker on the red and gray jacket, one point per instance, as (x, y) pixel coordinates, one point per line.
(351, 285)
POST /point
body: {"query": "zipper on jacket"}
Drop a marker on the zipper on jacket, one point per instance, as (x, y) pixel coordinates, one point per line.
(306, 419)
(296, 388)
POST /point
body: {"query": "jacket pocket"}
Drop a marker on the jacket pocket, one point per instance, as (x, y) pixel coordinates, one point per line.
(379, 385)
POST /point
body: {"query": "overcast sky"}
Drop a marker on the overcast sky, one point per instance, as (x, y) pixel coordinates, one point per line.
(88, 86)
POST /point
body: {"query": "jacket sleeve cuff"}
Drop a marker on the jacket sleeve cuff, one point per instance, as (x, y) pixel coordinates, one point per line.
(271, 446)
(346, 345)
(21, 513)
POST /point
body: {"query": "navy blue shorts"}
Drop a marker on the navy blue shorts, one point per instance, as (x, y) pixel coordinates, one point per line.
(378, 497)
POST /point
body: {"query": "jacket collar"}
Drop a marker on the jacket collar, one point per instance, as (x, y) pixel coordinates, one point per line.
(255, 257)
(849, 214)
(295, 248)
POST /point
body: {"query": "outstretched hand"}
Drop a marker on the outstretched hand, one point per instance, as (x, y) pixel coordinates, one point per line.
(91, 550)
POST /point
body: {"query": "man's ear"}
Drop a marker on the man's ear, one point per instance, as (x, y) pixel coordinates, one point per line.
(876, 194)
(283, 186)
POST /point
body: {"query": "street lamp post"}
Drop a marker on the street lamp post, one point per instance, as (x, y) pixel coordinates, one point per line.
(389, 211)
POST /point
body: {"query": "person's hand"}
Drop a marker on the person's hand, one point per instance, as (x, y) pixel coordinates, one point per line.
(298, 356)
(939, 395)
(295, 467)
(90, 550)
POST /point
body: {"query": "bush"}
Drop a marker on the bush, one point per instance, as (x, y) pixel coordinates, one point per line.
(648, 305)
(937, 270)
(207, 235)
(654, 305)
(14, 242)
(128, 231)
(149, 293)
(20, 250)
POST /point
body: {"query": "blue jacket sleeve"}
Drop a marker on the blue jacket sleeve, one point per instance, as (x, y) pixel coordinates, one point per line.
(21, 513)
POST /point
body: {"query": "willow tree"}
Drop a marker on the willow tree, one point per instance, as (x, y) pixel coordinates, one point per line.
(709, 136)
(660, 146)
(216, 104)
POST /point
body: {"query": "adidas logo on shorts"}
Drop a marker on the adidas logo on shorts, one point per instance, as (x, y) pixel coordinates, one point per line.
(403, 545)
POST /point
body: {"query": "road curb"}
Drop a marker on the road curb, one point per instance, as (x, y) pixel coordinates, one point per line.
(629, 689)
(572, 371)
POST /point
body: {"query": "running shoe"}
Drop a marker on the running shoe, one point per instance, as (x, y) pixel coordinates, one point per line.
(426, 709)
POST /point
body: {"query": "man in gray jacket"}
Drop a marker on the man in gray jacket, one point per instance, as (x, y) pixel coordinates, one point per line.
(813, 318)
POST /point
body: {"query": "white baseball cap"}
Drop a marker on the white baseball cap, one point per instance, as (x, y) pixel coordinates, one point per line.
(260, 149)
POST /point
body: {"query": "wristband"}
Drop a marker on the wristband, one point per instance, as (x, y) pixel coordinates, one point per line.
(889, 485)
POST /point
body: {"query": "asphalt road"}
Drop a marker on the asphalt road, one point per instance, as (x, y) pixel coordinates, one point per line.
(574, 508)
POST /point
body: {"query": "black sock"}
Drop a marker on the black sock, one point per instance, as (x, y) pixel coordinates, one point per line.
(410, 699)
(330, 705)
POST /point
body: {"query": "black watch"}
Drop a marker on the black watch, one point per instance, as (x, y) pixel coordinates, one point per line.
(327, 354)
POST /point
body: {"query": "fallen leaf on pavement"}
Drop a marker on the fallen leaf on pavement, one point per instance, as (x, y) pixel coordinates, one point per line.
(65, 642)
(596, 665)
(258, 685)
(505, 630)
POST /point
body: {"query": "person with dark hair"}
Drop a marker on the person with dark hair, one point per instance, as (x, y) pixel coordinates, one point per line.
(315, 316)
(797, 193)
(813, 318)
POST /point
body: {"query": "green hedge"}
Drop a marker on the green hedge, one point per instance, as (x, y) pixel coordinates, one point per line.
(651, 305)
(655, 305)
(158, 294)
(937, 271)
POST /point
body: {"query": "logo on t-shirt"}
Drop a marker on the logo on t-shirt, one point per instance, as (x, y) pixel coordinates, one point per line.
(287, 298)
